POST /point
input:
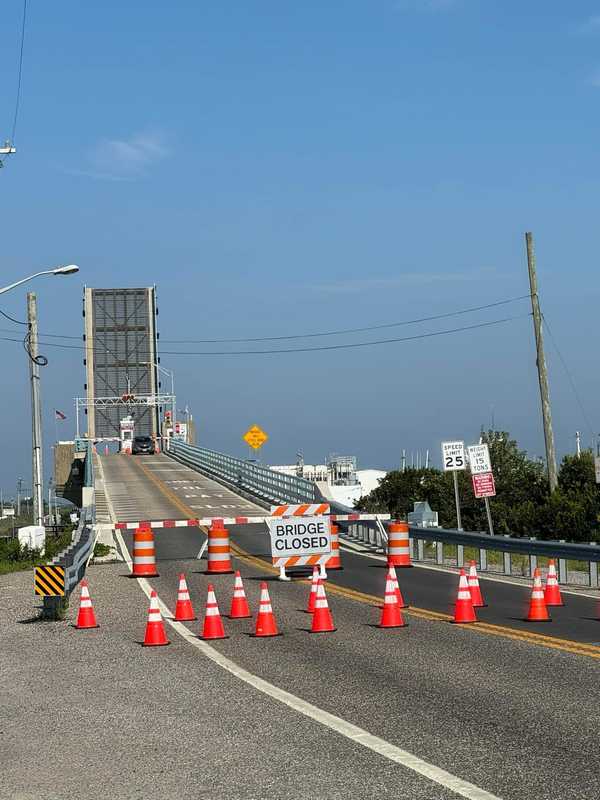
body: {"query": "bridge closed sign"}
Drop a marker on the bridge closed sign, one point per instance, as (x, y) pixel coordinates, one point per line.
(299, 537)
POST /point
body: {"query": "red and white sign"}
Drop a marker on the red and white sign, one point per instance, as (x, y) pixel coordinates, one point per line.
(483, 484)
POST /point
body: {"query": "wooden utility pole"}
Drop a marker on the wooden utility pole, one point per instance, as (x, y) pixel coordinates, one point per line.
(36, 411)
(541, 366)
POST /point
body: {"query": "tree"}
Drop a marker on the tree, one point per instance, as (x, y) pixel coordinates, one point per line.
(523, 504)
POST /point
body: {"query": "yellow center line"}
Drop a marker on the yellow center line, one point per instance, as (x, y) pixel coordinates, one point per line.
(529, 637)
(567, 645)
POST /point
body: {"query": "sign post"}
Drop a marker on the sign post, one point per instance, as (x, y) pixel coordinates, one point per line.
(453, 459)
(483, 478)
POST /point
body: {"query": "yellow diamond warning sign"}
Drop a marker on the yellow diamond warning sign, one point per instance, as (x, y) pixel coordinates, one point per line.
(255, 437)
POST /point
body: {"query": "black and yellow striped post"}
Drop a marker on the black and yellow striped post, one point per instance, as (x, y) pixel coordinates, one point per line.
(49, 580)
(49, 583)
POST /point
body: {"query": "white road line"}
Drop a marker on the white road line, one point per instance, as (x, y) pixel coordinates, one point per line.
(353, 732)
(483, 576)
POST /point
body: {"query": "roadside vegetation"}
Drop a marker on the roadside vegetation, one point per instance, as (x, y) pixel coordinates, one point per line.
(15, 557)
(523, 504)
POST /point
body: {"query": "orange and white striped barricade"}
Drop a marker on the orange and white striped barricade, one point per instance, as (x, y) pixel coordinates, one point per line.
(398, 549)
(144, 554)
(219, 553)
(334, 561)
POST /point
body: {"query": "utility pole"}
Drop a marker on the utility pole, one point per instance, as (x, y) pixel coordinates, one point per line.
(19, 486)
(541, 366)
(37, 487)
(578, 444)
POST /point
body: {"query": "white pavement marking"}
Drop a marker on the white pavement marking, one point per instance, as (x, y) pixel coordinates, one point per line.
(483, 576)
(353, 732)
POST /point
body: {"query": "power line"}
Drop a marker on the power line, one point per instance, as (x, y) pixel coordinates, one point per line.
(341, 332)
(12, 319)
(305, 349)
(20, 72)
(569, 376)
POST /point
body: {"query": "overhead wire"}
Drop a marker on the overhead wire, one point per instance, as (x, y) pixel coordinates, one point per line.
(348, 346)
(20, 72)
(339, 332)
(569, 376)
(12, 319)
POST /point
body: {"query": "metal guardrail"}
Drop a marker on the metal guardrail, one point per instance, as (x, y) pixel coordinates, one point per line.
(374, 535)
(257, 480)
(75, 557)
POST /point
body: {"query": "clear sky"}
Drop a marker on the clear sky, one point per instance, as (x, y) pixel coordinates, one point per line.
(279, 168)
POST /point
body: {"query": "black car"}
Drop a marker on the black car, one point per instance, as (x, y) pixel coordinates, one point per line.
(142, 445)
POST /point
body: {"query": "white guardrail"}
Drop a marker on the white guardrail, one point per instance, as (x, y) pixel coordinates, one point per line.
(501, 555)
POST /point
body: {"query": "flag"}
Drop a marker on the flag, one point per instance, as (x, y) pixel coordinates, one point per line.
(59, 414)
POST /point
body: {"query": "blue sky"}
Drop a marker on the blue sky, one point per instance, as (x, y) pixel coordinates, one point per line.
(280, 168)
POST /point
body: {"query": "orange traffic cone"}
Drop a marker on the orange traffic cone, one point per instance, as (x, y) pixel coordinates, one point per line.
(552, 595)
(463, 608)
(391, 616)
(474, 587)
(86, 617)
(239, 604)
(155, 628)
(322, 621)
(314, 586)
(537, 605)
(183, 610)
(265, 621)
(213, 624)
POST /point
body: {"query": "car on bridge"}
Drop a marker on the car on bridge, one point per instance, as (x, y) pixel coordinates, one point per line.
(142, 445)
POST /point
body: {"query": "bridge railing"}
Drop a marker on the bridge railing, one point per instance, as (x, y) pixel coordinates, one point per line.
(500, 555)
(261, 483)
(76, 556)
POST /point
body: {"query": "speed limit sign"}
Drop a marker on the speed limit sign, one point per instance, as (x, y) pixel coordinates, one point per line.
(453, 456)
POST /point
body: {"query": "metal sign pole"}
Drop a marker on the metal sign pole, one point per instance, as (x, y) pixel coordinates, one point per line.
(457, 500)
(489, 515)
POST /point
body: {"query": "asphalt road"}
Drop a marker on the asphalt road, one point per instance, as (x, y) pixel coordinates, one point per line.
(432, 589)
(517, 720)
(93, 714)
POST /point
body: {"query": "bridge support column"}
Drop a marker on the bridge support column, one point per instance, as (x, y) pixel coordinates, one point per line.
(593, 567)
(532, 565)
(483, 565)
(439, 552)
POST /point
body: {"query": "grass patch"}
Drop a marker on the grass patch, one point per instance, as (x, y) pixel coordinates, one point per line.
(15, 558)
(101, 550)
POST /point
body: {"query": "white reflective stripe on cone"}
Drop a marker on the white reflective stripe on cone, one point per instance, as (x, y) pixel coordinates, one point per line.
(144, 560)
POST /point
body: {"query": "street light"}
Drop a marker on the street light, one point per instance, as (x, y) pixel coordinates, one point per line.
(34, 376)
(69, 269)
